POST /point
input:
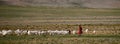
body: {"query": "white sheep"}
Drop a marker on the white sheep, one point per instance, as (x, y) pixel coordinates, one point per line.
(43, 32)
(5, 32)
(24, 32)
(74, 32)
(64, 32)
(51, 32)
(39, 33)
(32, 32)
(18, 32)
(86, 30)
(57, 32)
(94, 31)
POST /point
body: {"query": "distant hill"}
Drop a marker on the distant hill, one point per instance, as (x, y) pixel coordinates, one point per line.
(65, 3)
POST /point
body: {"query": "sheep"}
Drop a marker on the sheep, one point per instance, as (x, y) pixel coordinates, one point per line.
(24, 32)
(94, 31)
(5, 32)
(86, 30)
(64, 32)
(33, 32)
(18, 32)
(56, 32)
(74, 32)
(51, 32)
(43, 32)
(39, 32)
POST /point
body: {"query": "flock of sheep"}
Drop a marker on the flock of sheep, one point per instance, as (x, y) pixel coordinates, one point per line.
(38, 32)
(35, 32)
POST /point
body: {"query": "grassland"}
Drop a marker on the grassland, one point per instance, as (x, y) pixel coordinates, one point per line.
(57, 15)
(68, 39)
(106, 22)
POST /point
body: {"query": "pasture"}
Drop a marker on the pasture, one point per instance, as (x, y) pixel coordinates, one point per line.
(106, 23)
(68, 39)
(57, 15)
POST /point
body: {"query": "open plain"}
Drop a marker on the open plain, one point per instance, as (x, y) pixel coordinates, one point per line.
(106, 23)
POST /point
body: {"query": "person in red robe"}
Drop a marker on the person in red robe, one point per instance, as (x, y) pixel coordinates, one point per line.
(80, 30)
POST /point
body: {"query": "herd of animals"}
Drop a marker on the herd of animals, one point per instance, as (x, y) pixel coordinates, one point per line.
(43, 32)
(39, 32)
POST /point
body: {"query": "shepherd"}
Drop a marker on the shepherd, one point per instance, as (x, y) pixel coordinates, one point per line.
(80, 30)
